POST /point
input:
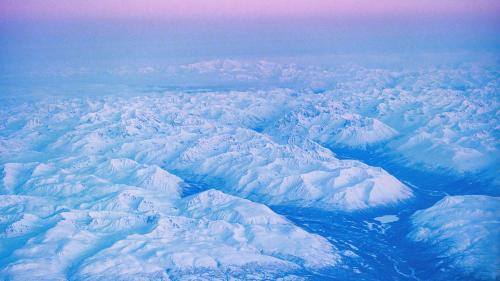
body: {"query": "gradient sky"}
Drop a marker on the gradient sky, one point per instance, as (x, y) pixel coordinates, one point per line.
(47, 31)
(38, 36)
(86, 9)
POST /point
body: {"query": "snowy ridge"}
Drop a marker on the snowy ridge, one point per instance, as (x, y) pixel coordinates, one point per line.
(107, 195)
(332, 127)
(215, 205)
(91, 187)
(251, 165)
(101, 220)
(244, 162)
(436, 118)
(465, 230)
(447, 112)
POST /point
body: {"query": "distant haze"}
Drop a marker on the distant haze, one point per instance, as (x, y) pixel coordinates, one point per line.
(81, 9)
(37, 36)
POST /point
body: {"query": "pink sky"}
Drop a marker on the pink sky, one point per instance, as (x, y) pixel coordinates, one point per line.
(63, 9)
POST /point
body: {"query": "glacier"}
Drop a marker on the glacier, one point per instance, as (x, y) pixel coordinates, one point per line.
(258, 170)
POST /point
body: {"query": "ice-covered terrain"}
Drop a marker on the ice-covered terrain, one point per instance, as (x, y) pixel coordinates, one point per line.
(252, 182)
(443, 118)
(464, 230)
(69, 215)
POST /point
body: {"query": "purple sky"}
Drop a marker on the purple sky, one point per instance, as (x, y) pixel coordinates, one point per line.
(109, 9)
(36, 35)
(90, 30)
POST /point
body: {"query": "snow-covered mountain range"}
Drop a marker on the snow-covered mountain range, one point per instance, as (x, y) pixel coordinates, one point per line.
(181, 184)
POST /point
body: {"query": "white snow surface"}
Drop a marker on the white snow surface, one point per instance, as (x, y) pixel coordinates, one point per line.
(438, 118)
(75, 219)
(92, 187)
(464, 230)
(87, 190)
(207, 136)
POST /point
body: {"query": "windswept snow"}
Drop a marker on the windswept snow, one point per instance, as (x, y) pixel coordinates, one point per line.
(79, 222)
(197, 134)
(439, 118)
(442, 117)
(464, 230)
(173, 184)
(91, 195)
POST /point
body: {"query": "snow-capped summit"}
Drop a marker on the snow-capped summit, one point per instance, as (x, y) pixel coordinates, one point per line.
(465, 231)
